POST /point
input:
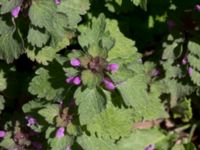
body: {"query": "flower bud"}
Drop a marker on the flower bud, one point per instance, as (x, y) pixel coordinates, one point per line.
(31, 121)
(60, 132)
(109, 84)
(112, 67)
(15, 11)
(75, 62)
(57, 2)
(67, 148)
(197, 7)
(190, 71)
(2, 134)
(150, 147)
(77, 80)
(69, 79)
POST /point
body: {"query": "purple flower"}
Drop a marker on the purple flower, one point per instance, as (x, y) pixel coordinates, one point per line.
(150, 147)
(60, 132)
(15, 11)
(57, 2)
(2, 133)
(31, 121)
(69, 79)
(37, 145)
(68, 147)
(190, 71)
(75, 62)
(112, 67)
(77, 80)
(184, 60)
(197, 7)
(155, 72)
(109, 84)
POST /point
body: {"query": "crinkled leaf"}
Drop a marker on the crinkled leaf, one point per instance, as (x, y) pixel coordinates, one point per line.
(90, 36)
(90, 79)
(42, 84)
(34, 104)
(37, 38)
(49, 113)
(112, 122)
(90, 102)
(141, 139)
(10, 48)
(73, 9)
(7, 141)
(3, 83)
(124, 47)
(47, 53)
(94, 143)
(41, 13)
(183, 110)
(2, 101)
(145, 105)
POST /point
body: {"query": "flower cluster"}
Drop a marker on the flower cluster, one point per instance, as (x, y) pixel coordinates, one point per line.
(97, 66)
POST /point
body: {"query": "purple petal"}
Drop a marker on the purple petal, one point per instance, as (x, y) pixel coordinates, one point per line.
(112, 67)
(68, 147)
(69, 79)
(184, 60)
(60, 132)
(190, 71)
(75, 62)
(150, 147)
(155, 72)
(77, 80)
(2, 134)
(31, 121)
(15, 11)
(109, 84)
(57, 2)
(197, 7)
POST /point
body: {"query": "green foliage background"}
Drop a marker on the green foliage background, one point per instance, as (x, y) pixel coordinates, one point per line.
(156, 100)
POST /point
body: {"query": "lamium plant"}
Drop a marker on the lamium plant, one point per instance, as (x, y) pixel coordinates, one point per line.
(91, 75)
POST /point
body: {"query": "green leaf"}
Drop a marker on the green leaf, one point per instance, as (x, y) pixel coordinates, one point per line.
(91, 36)
(60, 143)
(37, 38)
(4, 27)
(112, 122)
(136, 2)
(7, 141)
(90, 102)
(10, 49)
(141, 139)
(41, 84)
(49, 113)
(3, 83)
(194, 48)
(145, 105)
(47, 54)
(2, 101)
(41, 13)
(91, 79)
(73, 9)
(94, 143)
(195, 77)
(31, 105)
(124, 47)
(183, 110)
